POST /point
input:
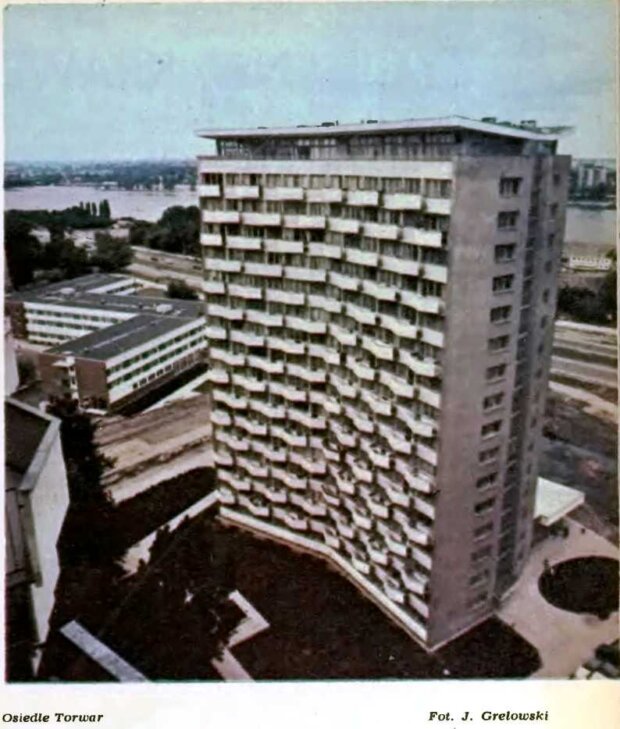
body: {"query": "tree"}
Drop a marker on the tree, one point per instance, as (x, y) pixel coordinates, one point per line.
(22, 249)
(180, 290)
(111, 254)
(104, 210)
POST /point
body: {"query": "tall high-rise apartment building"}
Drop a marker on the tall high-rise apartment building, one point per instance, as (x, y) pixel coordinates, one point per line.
(380, 302)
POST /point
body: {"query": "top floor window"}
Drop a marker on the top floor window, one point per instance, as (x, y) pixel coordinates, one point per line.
(509, 186)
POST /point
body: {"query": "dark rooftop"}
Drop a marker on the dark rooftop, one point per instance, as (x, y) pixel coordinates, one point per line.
(82, 284)
(111, 341)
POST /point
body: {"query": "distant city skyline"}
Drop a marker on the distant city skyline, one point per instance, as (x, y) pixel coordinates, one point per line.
(121, 82)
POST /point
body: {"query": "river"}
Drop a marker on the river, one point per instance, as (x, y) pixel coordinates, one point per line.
(582, 225)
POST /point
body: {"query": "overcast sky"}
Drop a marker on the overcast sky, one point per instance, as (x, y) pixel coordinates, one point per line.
(122, 82)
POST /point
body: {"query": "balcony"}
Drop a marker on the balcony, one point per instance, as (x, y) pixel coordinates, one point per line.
(208, 190)
(211, 240)
(297, 324)
(363, 197)
(419, 237)
(379, 457)
(229, 358)
(274, 455)
(325, 303)
(427, 304)
(424, 427)
(360, 564)
(395, 545)
(232, 401)
(393, 591)
(238, 484)
(361, 315)
(426, 454)
(361, 258)
(273, 412)
(344, 336)
(220, 217)
(424, 507)
(245, 292)
(226, 496)
(220, 417)
(331, 538)
(309, 465)
(276, 494)
(344, 485)
(344, 225)
(266, 365)
(225, 312)
(344, 388)
(215, 333)
(263, 318)
(285, 297)
(347, 283)
(397, 440)
(380, 291)
(378, 505)
(254, 468)
(416, 481)
(289, 437)
(417, 535)
(397, 385)
(305, 419)
(393, 491)
(324, 250)
(214, 287)
(422, 558)
(256, 507)
(430, 397)
(325, 195)
(402, 201)
(345, 529)
(400, 265)
(220, 264)
(359, 469)
(243, 243)
(330, 356)
(263, 269)
(220, 377)
(286, 345)
(333, 407)
(362, 423)
(264, 220)
(253, 427)
(306, 374)
(413, 582)
(247, 338)
(283, 193)
(241, 192)
(438, 205)
(435, 272)
(362, 518)
(222, 458)
(422, 367)
(381, 230)
(288, 392)
(298, 273)
(276, 245)
(313, 508)
(378, 348)
(292, 481)
(312, 222)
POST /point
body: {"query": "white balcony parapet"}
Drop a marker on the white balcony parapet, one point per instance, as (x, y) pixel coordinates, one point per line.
(426, 454)
(419, 366)
(215, 333)
(324, 195)
(332, 406)
(277, 245)
(344, 225)
(397, 385)
(308, 464)
(220, 217)
(266, 365)
(243, 243)
(400, 265)
(381, 230)
(272, 454)
(413, 583)
(221, 264)
(292, 481)
(241, 192)
(245, 292)
(380, 291)
(220, 417)
(397, 441)
(328, 355)
(314, 222)
(299, 416)
(250, 426)
(399, 327)
(225, 312)
(419, 237)
(360, 368)
(283, 193)
(416, 481)
(226, 496)
(379, 405)
(424, 507)
(297, 323)
(263, 318)
(361, 315)
(208, 190)
(211, 240)
(395, 545)
(298, 273)
(232, 401)
(361, 258)
(324, 250)
(214, 287)
(262, 219)
(347, 283)
(402, 201)
(268, 270)
(344, 388)
(274, 412)
(275, 494)
(222, 458)
(379, 458)
(223, 355)
(438, 205)
(344, 336)
(362, 197)
(378, 348)
(325, 303)
(393, 591)
(332, 539)
(254, 469)
(288, 392)
(285, 345)
(422, 558)
(430, 397)
(305, 373)
(361, 565)
(217, 375)
(393, 491)
(248, 338)
(434, 272)
(427, 304)
(289, 437)
(285, 297)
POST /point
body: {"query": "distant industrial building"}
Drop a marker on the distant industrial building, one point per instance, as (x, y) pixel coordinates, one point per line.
(588, 263)
(107, 347)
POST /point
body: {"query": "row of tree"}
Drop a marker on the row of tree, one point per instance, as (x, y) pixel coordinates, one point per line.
(29, 260)
(177, 231)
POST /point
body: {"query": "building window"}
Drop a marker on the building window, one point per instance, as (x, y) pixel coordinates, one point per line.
(548, 266)
(496, 372)
(484, 507)
(479, 578)
(502, 283)
(483, 531)
(509, 186)
(545, 296)
(500, 313)
(491, 429)
(507, 220)
(489, 455)
(486, 481)
(496, 344)
(481, 553)
(553, 211)
(505, 253)
(493, 401)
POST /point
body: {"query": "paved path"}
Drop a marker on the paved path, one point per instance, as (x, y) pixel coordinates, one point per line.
(100, 653)
(182, 393)
(596, 373)
(595, 404)
(563, 639)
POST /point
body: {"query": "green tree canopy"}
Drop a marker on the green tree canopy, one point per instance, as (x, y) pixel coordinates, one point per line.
(180, 290)
(111, 254)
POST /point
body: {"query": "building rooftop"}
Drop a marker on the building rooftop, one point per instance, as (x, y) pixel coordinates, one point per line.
(525, 130)
(111, 341)
(82, 284)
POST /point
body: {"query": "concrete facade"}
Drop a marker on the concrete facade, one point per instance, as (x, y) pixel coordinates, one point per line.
(380, 304)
